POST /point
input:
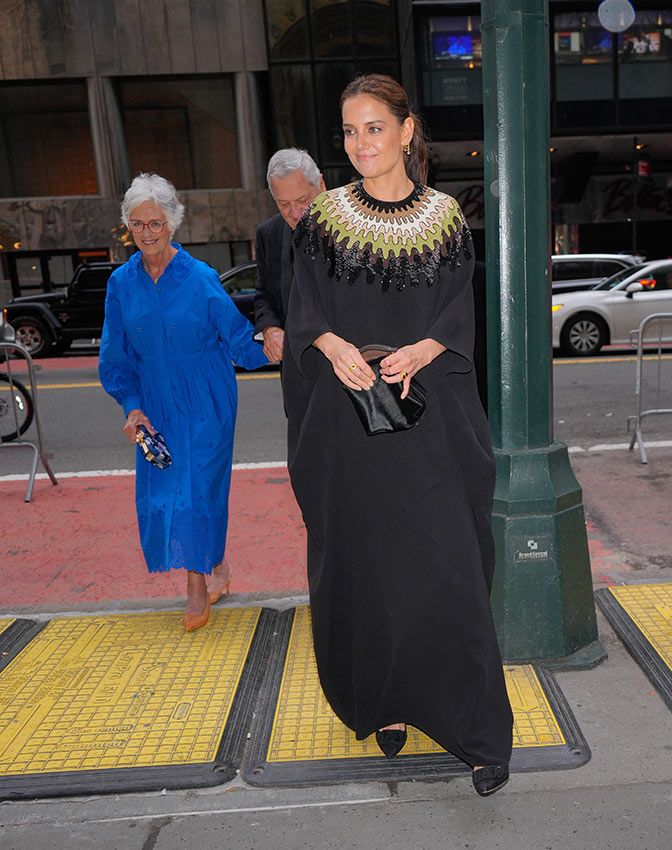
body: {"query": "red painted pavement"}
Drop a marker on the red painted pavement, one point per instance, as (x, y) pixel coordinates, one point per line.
(77, 543)
(49, 364)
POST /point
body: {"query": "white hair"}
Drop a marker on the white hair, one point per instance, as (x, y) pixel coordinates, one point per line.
(153, 187)
(289, 160)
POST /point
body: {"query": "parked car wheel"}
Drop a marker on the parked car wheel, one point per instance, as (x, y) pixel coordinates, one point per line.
(583, 335)
(32, 334)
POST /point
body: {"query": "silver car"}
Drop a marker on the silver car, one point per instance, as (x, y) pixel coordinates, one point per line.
(575, 272)
(585, 321)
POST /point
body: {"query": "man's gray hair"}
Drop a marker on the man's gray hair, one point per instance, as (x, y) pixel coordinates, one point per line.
(153, 187)
(289, 160)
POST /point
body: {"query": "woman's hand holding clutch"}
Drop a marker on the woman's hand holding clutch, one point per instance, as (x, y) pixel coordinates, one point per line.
(408, 361)
(348, 364)
(135, 418)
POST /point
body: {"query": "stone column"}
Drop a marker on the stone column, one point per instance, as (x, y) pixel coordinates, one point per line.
(250, 129)
(107, 133)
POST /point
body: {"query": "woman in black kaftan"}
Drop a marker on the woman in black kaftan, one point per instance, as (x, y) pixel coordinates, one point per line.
(400, 551)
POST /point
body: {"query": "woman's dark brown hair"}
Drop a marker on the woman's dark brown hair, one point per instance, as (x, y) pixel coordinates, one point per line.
(388, 91)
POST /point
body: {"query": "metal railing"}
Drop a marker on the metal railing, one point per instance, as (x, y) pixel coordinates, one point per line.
(7, 349)
(638, 339)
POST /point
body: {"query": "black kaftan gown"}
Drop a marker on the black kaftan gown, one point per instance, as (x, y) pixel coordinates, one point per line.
(400, 551)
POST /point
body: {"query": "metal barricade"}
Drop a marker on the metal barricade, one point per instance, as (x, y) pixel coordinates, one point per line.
(6, 350)
(638, 339)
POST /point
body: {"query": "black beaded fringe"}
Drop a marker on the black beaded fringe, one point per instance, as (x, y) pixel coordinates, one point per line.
(348, 263)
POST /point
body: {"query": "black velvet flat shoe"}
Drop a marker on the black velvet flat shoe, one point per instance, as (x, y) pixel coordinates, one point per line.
(391, 741)
(489, 779)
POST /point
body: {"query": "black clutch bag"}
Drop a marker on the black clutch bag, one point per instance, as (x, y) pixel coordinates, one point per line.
(381, 409)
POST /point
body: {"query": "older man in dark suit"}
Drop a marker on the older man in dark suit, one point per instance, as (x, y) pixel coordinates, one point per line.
(294, 181)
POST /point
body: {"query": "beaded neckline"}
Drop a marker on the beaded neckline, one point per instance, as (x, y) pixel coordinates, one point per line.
(387, 206)
(398, 243)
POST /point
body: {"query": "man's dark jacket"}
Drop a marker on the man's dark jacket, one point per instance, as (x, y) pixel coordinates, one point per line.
(274, 273)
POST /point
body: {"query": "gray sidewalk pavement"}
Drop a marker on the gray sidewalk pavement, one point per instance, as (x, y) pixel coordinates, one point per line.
(620, 800)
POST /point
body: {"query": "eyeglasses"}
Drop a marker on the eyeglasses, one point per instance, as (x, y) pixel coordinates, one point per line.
(154, 226)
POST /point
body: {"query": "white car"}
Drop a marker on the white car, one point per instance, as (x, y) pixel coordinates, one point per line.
(585, 321)
(574, 272)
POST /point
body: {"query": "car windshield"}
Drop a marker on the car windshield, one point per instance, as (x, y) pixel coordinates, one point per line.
(615, 279)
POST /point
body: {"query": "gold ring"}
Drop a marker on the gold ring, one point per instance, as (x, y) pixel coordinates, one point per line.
(353, 366)
(404, 375)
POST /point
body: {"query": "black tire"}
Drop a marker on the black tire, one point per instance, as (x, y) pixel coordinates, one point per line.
(583, 335)
(24, 410)
(32, 333)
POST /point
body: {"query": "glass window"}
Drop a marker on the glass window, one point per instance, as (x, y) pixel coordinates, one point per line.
(293, 107)
(29, 272)
(572, 270)
(619, 277)
(583, 58)
(45, 141)
(287, 29)
(331, 79)
(60, 269)
(605, 268)
(243, 281)
(331, 28)
(452, 59)
(375, 27)
(93, 280)
(184, 129)
(645, 57)
(657, 280)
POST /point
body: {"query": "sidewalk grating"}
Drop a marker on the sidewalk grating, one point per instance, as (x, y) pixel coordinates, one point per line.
(128, 702)
(299, 740)
(641, 615)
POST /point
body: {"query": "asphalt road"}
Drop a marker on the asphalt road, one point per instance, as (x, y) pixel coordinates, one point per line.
(82, 425)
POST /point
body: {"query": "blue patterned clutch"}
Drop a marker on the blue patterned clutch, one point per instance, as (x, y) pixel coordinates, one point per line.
(154, 448)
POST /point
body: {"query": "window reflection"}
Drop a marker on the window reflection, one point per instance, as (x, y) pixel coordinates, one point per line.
(293, 99)
(332, 28)
(584, 54)
(374, 26)
(645, 57)
(45, 140)
(184, 128)
(453, 57)
(287, 29)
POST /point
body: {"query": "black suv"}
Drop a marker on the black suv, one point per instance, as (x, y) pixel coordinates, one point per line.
(49, 322)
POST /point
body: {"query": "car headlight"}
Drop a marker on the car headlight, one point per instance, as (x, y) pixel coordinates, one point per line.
(556, 307)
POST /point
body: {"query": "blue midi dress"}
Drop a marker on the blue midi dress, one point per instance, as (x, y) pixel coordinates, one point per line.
(168, 349)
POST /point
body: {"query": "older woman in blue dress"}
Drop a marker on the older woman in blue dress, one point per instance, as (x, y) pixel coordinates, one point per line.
(170, 339)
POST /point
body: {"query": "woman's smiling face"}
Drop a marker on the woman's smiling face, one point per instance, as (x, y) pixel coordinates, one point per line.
(374, 138)
(151, 244)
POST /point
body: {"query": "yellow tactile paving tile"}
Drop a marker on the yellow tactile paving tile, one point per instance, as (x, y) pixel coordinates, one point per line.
(305, 728)
(649, 606)
(134, 690)
(5, 624)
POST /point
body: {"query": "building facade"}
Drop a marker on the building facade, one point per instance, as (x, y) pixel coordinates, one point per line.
(203, 91)
(92, 93)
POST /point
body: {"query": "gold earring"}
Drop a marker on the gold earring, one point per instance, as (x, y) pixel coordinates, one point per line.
(407, 149)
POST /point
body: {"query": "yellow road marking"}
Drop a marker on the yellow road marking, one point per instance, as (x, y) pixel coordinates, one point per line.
(89, 384)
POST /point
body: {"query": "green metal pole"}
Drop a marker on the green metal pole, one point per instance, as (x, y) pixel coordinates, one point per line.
(542, 594)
